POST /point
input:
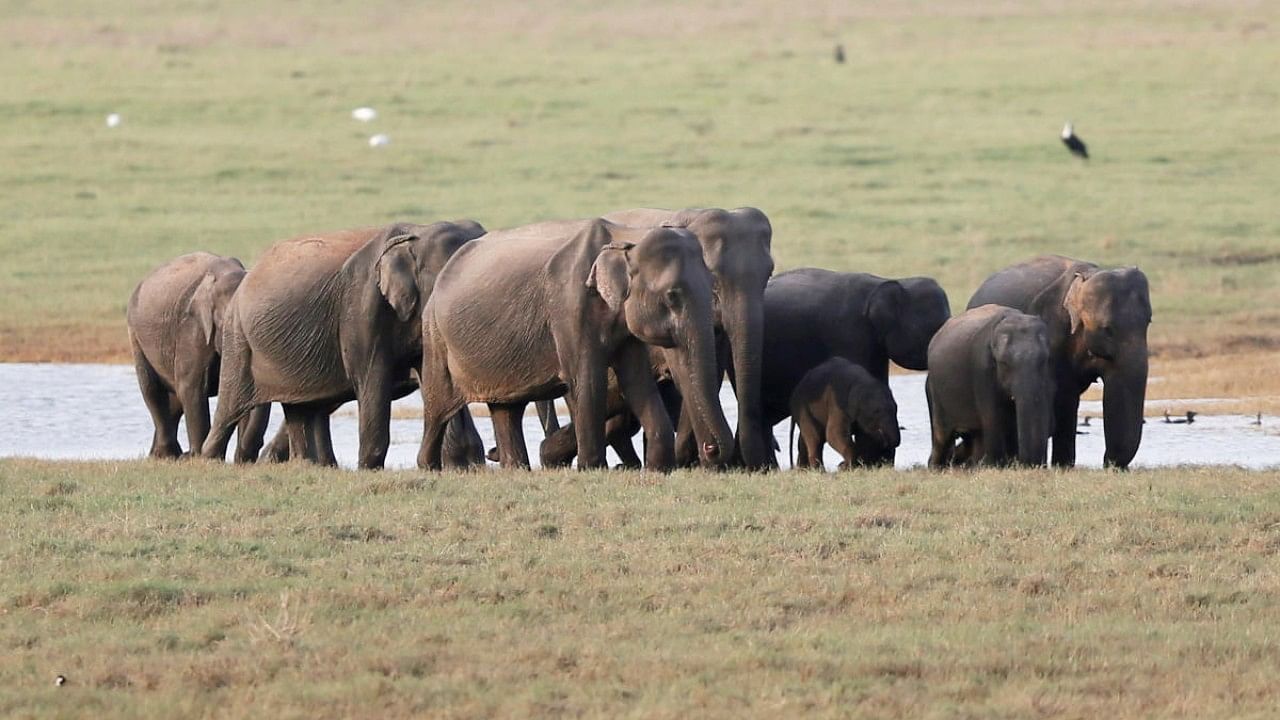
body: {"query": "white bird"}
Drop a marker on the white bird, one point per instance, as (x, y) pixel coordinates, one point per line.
(379, 140)
(113, 120)
(364, 114)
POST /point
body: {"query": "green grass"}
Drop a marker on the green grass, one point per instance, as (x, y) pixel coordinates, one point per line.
(165, 590)
(932, 151)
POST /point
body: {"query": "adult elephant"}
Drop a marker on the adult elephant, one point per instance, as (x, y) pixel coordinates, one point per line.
(544, 310)
(736, 249)
(812, 315)
(1097, 322)
(175, 318)
(325, 319)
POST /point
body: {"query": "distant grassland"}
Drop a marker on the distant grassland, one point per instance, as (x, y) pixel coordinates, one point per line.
(192, 590)
(933, 150)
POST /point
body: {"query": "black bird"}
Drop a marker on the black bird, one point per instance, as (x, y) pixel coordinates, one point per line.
(839, 53)
(1191, 417)
(1085, 421)
(1258, 421)
(1073, 142)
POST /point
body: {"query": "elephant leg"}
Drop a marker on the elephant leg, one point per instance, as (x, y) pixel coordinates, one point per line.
(809, 454)
(249, 433)
(618, 432)
(463, 446)
(840, 437)
(277, 450)
(944, 446)
(319, 437)
(195, 406)
(1066, 406)
(508, 430)
(163, 406)
(559, 448)
(236, 392)
(642, 396)
(686, 441)
(590, 408)
(296, 420)
(373, 404)
(547, 415)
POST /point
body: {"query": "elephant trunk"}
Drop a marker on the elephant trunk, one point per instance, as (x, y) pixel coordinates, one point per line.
(1034, 417)
(1124, 394)
(744, 325)
(698, 378)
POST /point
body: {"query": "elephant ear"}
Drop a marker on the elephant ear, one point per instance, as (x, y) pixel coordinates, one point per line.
(1073, 300)
(396, 276)
(886, 305)
(610, 274)
(200, 307)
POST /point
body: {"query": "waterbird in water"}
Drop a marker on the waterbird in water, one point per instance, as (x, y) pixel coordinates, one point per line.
(1191, 417)
(839, 53)
(1073, 142)
(1085, 421)
(1258, 421)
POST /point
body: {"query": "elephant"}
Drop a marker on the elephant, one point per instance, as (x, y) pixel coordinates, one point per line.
(324, 319)
(990, 385)
(545, 310)
(1097, 322)
(736, 249)
(175, 318)
(837, 402)
(812, 315)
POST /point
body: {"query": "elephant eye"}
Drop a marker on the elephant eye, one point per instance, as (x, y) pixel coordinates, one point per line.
(674, 298)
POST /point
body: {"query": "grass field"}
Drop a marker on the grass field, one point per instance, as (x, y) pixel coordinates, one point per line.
(163, 590)
(197, 590)
(933, 150)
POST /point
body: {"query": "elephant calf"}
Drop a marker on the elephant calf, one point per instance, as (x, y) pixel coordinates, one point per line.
(175, 318)
(990, 385)
(836, 402)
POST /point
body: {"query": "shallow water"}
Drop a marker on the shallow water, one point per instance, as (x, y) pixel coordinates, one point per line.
(61, 411)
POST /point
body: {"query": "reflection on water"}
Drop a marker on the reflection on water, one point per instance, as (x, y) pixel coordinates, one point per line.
(96, 412)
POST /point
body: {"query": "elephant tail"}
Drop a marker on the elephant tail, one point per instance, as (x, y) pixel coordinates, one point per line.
(791, 442)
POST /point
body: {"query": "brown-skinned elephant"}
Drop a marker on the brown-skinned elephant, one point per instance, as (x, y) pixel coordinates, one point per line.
(1097, 321)
(841, 404)
(545, 310)
(324, 319)
(175, 318)
(991, 387)
(736, 248)
(812, 315)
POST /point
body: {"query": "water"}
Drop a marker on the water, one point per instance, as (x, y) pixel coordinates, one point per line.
(95, 412)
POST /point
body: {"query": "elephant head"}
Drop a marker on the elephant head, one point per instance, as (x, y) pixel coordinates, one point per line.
(1108, 312)
(1019, 346)
(407, 258)
(661, 291)
(211, 298)
(736, 247)
(875, 420)
(906, 314)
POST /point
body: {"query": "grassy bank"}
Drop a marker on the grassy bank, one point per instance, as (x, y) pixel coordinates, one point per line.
(933, 150)
(193, 590)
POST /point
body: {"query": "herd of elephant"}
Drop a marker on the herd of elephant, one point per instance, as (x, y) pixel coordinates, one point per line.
(635, 318)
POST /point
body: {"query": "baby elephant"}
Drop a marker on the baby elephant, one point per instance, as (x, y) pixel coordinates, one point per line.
(175, 318)
(990, 386)
(836, 402)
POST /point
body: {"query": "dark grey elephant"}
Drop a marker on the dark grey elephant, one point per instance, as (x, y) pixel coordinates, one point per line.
(840, 403)
(175, 318)
(539, 311)
(812, 315)
(736, 249)
(1097, 321)
(991, 387)
(326, 319)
